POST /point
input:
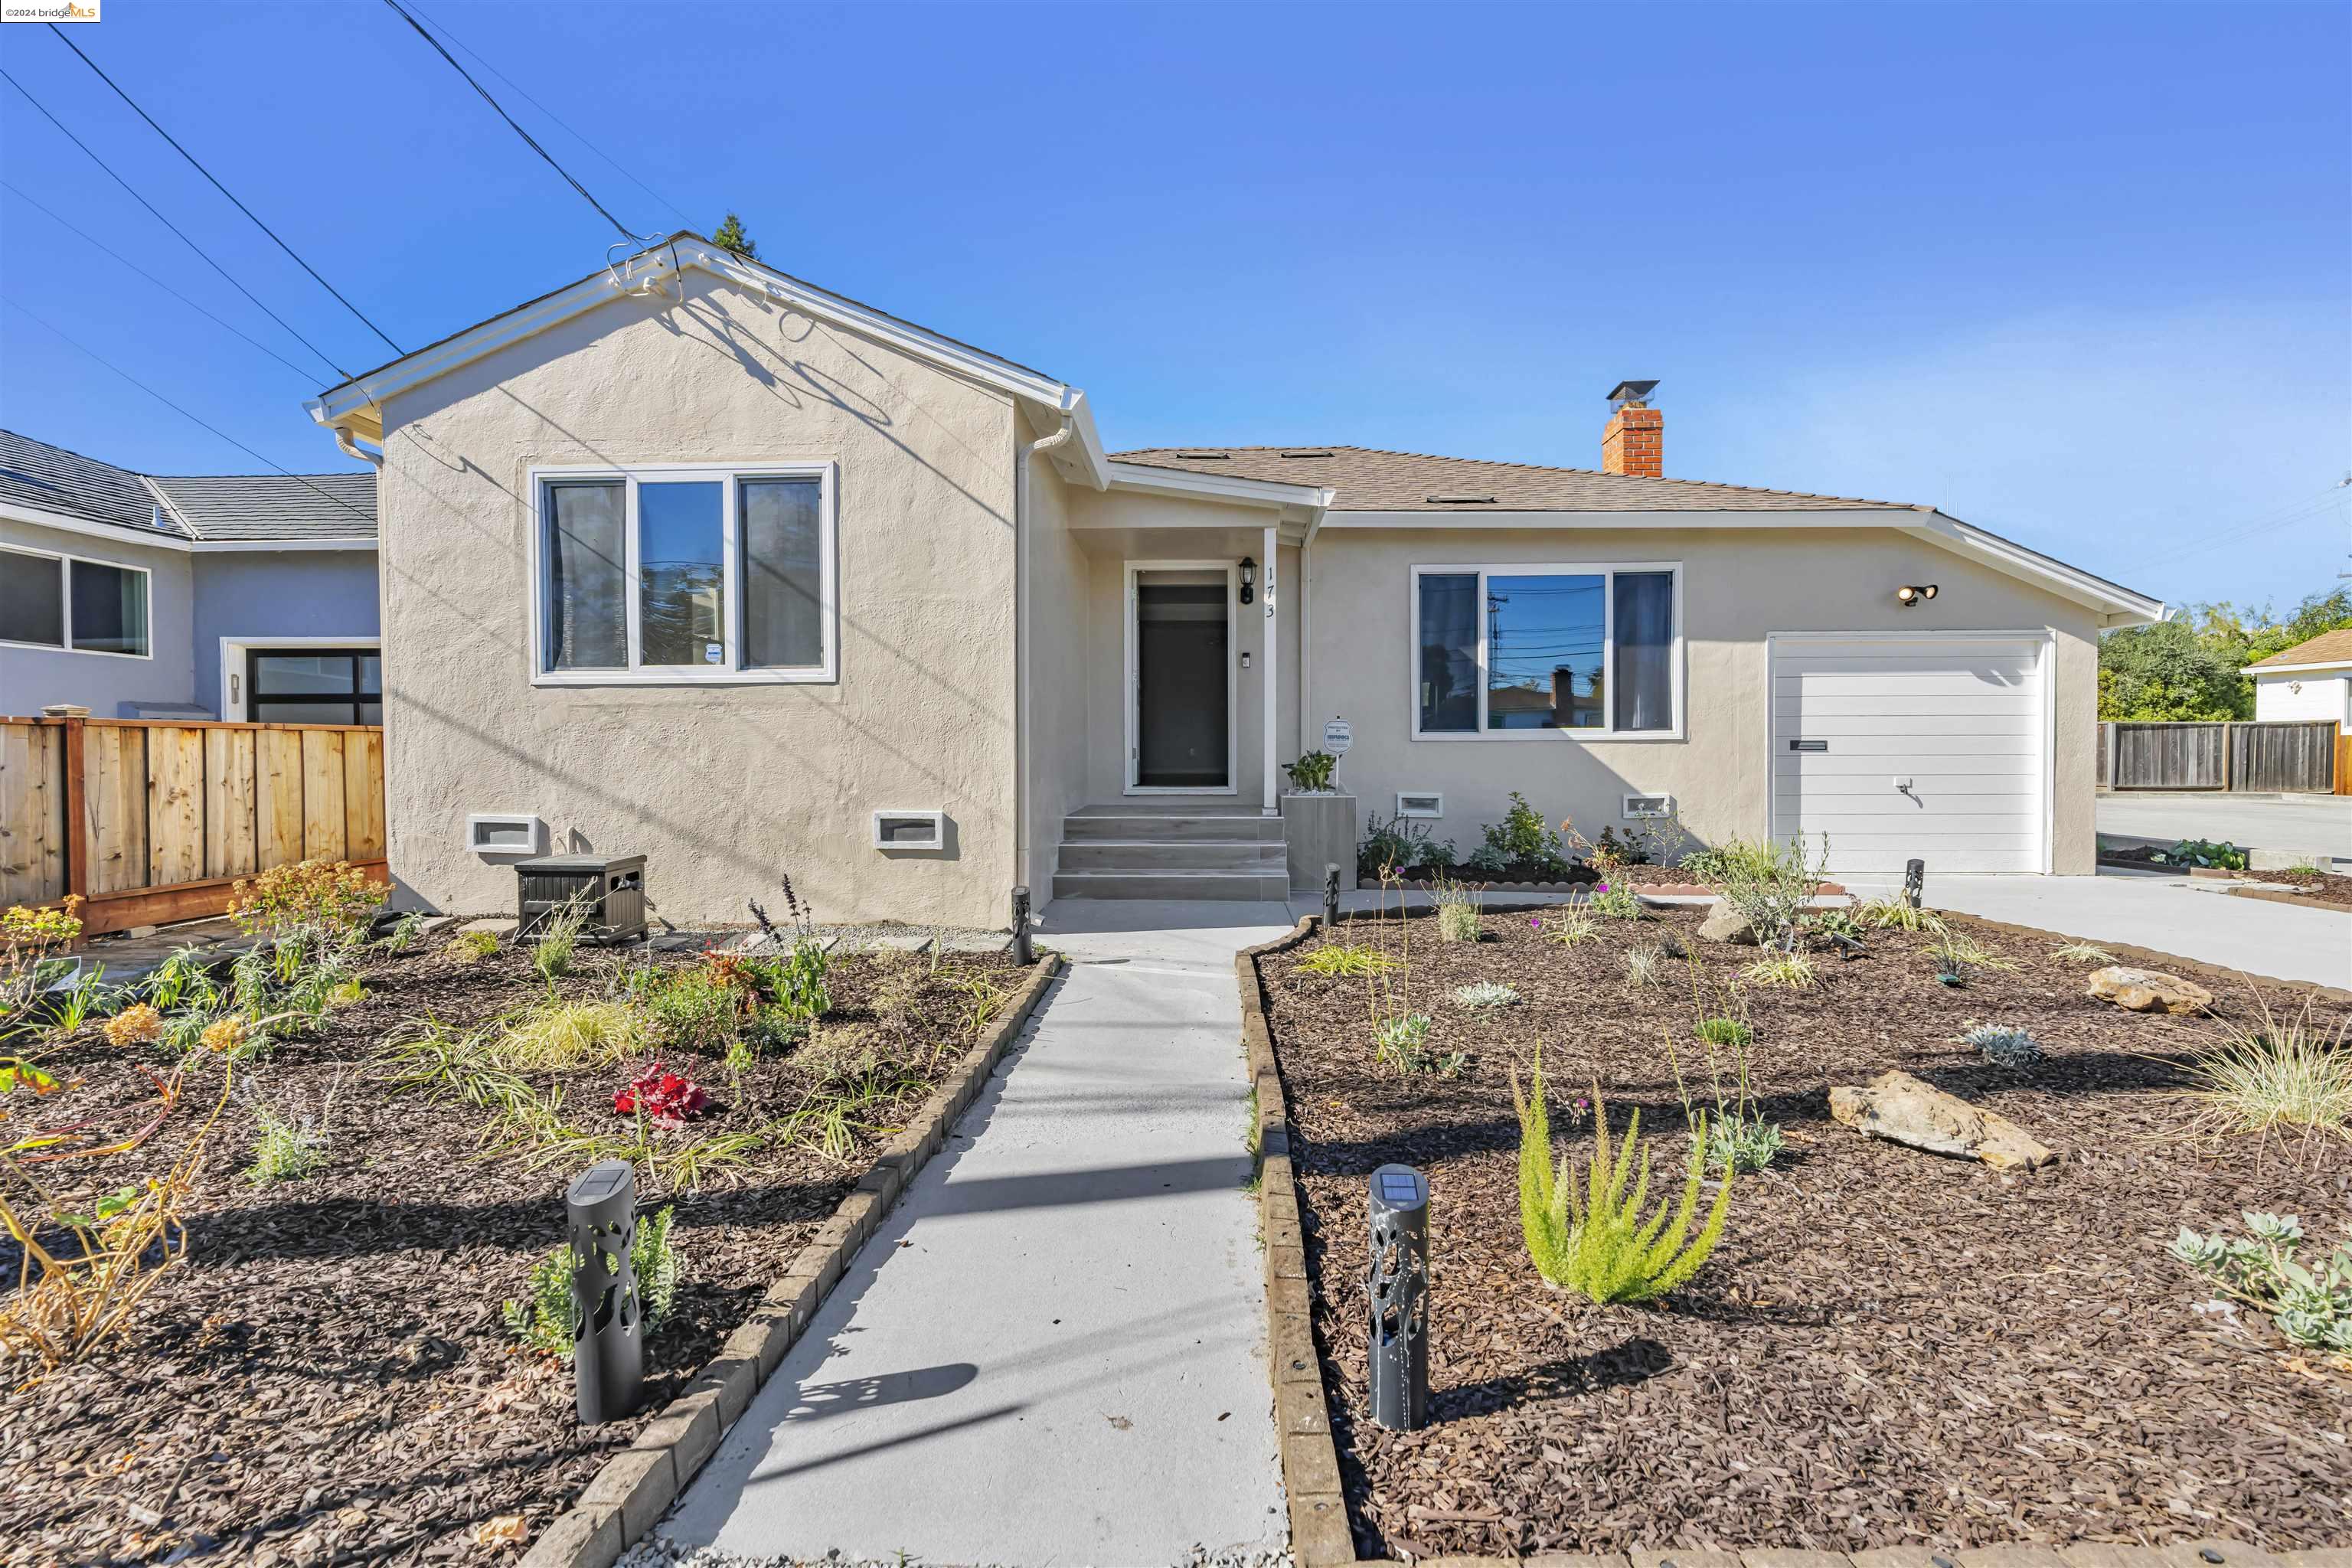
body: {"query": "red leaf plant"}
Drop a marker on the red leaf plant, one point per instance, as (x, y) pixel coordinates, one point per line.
(666, 1099)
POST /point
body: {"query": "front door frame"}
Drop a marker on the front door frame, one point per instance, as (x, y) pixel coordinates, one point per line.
(1133, 734)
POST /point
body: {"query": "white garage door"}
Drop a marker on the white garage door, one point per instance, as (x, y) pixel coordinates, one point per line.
(1896, 746)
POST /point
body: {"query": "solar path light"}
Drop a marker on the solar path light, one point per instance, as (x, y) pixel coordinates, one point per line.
(1398, 1289)
(608, 1330)
(1330, 898)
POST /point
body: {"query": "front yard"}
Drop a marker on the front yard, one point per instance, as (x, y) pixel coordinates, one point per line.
(1888, 1347)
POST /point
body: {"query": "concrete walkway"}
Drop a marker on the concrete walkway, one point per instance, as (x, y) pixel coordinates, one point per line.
(1053, 1352)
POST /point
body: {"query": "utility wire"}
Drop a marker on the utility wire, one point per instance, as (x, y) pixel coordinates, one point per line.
(323, 356)
(175, 408)
(224, 190)
(101, 245)
(443, 29)
(529, 139)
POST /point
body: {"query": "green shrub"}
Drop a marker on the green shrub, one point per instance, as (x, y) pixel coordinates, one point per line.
(1791, 969)
(1768, 881)
(1567, 927)
(2312, 1305)
(1354, 959)
(693, 1009)
(556, 1036)
(1613, 902)
(1742, 1142)
(1400, 841)
(1726, 1032)
(1403, 1043)
(1312, 772)
(1484, 994)
(285, 1149)
(1524, 838)
(793, 984)
(1645, 966)
(1598, 1244)
(2276, 1073)
(543, 1318)
(2224, 856)
(2003, 1045)
(473, 946)
(2082, 952)
(1457, 909)
(1895, 913)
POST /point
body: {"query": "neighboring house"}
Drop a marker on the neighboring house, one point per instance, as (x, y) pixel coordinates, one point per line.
(695, 559)
(2310, 680)
(220, 596)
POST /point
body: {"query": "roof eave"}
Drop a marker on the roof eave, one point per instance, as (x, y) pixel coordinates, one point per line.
(2321, 668)
(2117, 604)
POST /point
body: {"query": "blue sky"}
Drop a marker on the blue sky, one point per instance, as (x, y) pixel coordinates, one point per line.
(2082, 275)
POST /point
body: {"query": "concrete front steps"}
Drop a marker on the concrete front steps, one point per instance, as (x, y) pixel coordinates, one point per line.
(1176, 852)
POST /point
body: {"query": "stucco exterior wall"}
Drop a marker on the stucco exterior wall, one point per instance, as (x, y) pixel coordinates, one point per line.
(1060, 579)
(105, 683)
(726, 788)
(1737, 585)
(258, 594)
(2314, 694)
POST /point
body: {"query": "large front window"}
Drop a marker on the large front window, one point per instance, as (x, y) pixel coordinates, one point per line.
(693, 574)
(1586, 648)
(66, 602)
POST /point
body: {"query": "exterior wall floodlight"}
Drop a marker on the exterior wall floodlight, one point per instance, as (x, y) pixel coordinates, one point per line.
(1249, 579)
(1910, 594)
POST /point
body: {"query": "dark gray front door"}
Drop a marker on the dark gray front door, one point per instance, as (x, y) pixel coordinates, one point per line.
(1182, 639)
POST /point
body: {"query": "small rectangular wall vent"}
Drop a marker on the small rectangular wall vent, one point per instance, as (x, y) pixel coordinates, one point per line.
(1420, 802)
(1638, 806)
(506, 833)
(910, 829)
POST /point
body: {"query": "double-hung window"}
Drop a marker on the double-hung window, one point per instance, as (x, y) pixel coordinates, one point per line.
(66, 602)
(685, 574)
(1594, 651)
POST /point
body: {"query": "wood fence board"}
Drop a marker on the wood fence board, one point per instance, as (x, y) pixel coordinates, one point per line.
(322, 795)
(278, 799)
(2293, 758)
(229, 794)
(363, 794)
(114, 793)
(176, 806)
(32, 829)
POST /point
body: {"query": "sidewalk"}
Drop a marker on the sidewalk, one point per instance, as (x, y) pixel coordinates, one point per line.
(1053, 1350)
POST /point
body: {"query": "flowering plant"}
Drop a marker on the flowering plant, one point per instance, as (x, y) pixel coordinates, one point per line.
(136, 1024)
(664, 1099)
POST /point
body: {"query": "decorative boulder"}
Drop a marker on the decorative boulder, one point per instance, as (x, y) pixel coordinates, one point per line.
(1903, 1110)
(2149, 991)
(1725, 923)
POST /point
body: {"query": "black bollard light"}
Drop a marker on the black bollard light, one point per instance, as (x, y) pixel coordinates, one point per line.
(1915, 881)
(608, 1340)
(1398, 1288)
(1023, 953)
(1330, 898)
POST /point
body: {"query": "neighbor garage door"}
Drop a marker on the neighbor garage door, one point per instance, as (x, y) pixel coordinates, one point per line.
(1896, 746)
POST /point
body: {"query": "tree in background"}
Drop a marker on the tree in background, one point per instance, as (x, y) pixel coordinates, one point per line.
(2187, 668)
(730, 236)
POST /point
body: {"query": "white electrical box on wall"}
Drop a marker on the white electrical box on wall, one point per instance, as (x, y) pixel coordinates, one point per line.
(506, 833)
(911, 830)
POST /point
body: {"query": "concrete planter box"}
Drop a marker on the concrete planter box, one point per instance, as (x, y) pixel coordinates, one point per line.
(1320, 830)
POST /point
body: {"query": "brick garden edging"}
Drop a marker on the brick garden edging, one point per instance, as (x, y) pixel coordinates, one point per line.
(1320, 1536)
(638, 1484)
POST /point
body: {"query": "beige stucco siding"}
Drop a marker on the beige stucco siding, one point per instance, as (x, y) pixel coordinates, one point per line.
(1060, 579)
(1739, 585)
(726, 788)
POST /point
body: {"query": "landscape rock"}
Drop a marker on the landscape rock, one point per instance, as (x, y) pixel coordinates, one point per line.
(2149, 991)
(1725, 923)
(1903, 1110)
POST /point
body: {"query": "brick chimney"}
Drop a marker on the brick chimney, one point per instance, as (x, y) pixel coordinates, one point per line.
(1633, 441)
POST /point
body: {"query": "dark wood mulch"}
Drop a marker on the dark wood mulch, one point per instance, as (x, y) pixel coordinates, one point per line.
(2319, 887)
(326, 1377)
(1888, 1348)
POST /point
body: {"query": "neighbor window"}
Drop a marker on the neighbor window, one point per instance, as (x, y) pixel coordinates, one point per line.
(685, 574)
(66, 602)
(1587, 648)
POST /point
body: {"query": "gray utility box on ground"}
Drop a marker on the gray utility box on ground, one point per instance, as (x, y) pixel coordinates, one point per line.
(611, 889)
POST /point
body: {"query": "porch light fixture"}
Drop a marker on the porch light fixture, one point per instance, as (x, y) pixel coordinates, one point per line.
(1249, 579)
(1910, 594)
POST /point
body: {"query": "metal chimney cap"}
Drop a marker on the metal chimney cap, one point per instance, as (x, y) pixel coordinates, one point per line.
(1634, 392)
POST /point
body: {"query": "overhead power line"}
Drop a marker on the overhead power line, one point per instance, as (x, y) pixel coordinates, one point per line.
(627, 233)
(443, 29)
(175, 408)
(174, 293)
(324, 358)
(224, 190)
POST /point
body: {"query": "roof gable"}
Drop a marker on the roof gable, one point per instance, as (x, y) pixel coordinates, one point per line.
(2326, 649)
(51, 483)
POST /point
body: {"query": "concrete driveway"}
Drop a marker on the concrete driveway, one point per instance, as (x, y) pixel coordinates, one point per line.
(2313, 824)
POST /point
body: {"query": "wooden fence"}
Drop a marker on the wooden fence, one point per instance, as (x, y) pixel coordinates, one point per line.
(152, 820)
(2298, 758)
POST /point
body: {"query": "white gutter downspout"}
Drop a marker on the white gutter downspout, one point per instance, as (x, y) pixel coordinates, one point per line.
(1024, 764)
(348, 444)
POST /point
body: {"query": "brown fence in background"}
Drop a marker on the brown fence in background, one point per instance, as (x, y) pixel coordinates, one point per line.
(152, 820)
(2295, 758)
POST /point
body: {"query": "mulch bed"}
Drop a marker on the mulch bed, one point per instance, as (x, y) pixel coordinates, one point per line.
(2319, 887)
(326, 1376)
(1888, 1348)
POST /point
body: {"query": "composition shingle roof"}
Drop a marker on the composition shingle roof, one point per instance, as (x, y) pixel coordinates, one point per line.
(257, 508)
(1369, 480)
(2327, 648)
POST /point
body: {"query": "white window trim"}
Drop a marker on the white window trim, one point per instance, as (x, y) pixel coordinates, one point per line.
(726, 673)
(232, 663)
(1605, 569)
(65, 587)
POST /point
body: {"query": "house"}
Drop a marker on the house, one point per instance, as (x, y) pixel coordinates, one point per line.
(693, 559)
(2310, 680)
(138, 596)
